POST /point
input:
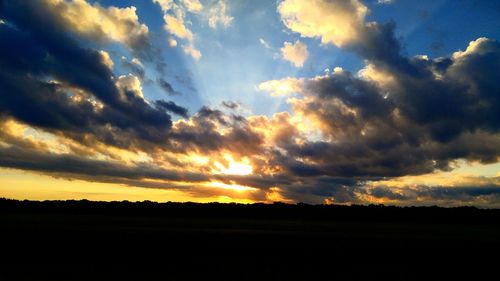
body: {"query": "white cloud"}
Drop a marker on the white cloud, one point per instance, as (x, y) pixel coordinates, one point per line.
(217, 15)
(137, 61)
(174, 17)
(336, 22)
(385, 2)
(264, 43)
(296, 53)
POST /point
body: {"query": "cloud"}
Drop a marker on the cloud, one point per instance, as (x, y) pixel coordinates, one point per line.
(99, 23)
(174, 15)
(88, 169)
(172, 42)
(192, 51)
(296, 53)
(106, 59)
(192, 5)
(170, 106)
(385, 2)
(336, 22)
(166, 87)
(342, 23)
(230, 104)
(81, 96)
(393, 127)
(422, 110)
(217, 15)
(398, 116)
(136, 69)
(264, 43)
(135, 66)
(479, 191)
(129, 84)
(165, 5)
(176, 26)
(283, 86)
(348, 137)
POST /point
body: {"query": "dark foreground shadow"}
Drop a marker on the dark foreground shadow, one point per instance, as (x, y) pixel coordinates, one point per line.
(83, 240)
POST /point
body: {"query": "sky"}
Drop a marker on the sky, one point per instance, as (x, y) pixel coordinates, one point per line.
(315, 101)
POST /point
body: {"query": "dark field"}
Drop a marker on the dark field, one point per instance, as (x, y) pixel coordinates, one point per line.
(82, 240)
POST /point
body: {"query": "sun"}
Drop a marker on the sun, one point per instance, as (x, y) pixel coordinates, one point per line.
(233, 167)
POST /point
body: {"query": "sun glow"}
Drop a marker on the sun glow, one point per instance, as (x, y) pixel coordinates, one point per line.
(233, 167)
(235, 187)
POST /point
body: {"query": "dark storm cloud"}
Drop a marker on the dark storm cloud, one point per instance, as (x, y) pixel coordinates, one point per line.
(202, 134)
(230, 104)
(465, 96)
(214, 116)
(378, 44)
(170, 106)
(489, 193)
(89, 169)
(315, 190)
(353, 92)
(166, 87)
(109, 24)
(412, 116)
(186, 80)
(486, 192)
(464, 99)
(38, 50)
(431, 113)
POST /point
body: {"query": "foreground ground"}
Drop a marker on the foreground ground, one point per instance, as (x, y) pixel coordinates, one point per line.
(82, 240)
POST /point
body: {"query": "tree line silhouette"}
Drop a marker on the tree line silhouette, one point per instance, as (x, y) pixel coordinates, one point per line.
(277, 210)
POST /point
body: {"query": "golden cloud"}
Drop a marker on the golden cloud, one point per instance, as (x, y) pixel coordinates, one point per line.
(337, 22)
(296, 53)
(285, 86)
(94, 21)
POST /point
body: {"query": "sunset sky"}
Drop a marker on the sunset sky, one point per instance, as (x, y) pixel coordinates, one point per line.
(317, 101)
